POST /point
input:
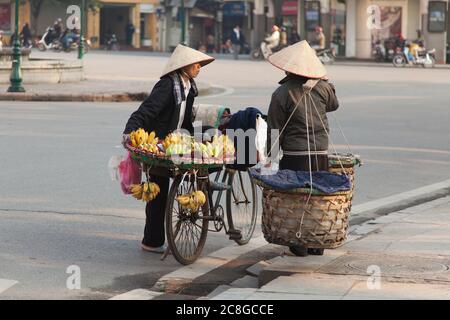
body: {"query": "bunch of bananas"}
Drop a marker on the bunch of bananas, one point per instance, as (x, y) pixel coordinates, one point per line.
(145, 141)
(146, 191)
(226, 144)
(192, 201)
(179, 149)
(138, 137)
(219, 147)
(176, 138)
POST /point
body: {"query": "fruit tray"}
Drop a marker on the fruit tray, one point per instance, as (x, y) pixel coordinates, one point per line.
(177, 162)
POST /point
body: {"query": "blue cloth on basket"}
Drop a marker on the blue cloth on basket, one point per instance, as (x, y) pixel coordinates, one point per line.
(322, 181)
(245, 120)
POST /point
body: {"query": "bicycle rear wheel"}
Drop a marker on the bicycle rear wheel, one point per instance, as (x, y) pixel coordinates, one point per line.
(186, 230)
(241, 204)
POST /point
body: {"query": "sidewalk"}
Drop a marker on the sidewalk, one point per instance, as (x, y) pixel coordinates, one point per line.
(403, 255)
(93, 89)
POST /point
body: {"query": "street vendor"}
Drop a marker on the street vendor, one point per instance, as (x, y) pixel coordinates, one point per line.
(304, 72)
(167, 108)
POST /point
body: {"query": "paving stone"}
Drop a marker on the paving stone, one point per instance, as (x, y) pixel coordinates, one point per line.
(235, 294)
(137, 294)
(288, 265)
(218, 290)
(401, 291)
(311, 284)
(245, 282)
(289, 296)
(255, 269)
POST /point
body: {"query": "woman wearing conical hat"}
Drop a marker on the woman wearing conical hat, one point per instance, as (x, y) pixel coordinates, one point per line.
(304, 72)
(167, 108)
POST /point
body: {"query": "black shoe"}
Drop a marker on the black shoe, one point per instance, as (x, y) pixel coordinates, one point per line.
(299, 251)
(235, 234)
(315, 251)
(218, 186)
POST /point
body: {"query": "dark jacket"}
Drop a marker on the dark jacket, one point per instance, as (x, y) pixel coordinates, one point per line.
(294, 137)
(235, 40)
(159, 112)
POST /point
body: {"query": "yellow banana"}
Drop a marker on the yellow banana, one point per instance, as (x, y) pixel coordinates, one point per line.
(183, 200)
(151, 137)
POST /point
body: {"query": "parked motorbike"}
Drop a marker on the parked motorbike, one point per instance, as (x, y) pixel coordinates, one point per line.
(425, 58)
(379, 52)
(326, 56)
(49, 41)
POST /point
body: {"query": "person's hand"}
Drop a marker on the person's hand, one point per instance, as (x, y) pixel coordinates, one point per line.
(268, 164)
(125, 139)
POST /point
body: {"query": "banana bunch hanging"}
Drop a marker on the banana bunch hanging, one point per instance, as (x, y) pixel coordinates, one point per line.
(192, 201)
(146, 191)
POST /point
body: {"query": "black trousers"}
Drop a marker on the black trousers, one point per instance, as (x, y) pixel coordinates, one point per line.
(154, 232)
(301, 163)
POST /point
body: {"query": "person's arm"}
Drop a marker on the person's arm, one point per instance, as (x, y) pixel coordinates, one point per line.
(332, 100)
(276, 119)
(158, 99)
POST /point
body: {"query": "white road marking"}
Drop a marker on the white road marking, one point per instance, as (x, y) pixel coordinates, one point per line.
(5, 284)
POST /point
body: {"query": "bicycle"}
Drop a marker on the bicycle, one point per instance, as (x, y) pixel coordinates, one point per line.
(186, 230)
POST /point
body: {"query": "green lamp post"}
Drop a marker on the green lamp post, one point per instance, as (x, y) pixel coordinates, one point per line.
(183, 23)
(82, 18)
(16, 76)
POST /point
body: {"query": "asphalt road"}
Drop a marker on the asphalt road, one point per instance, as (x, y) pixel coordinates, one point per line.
(59, 207)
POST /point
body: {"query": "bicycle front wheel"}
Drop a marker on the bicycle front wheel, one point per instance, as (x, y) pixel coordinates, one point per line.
(186, 229)
(241, 204)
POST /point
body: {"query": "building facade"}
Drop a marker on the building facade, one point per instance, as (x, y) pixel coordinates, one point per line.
(351, 27)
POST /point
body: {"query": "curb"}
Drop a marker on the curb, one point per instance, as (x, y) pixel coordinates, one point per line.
(91, 97)
(377, 208)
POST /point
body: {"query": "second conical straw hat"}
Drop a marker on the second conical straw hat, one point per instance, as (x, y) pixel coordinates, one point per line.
(184, 56)
(299, 59)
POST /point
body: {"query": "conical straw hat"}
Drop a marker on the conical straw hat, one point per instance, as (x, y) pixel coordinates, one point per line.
(299, 59)
(184, 56)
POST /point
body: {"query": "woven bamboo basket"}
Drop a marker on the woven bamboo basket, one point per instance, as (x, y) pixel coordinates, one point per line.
(325, 216)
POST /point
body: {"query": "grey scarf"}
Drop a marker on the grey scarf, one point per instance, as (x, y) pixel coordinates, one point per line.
(178, 92)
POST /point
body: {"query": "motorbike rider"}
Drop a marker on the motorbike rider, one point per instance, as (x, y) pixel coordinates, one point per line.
(319, 39)
(69, 36)
(58, 28)
(273, 40)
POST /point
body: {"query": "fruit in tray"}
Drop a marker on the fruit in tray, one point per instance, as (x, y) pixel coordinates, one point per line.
(179, 149)
(192, 201)
(146, 191)
(177, 138)
(145, 141)
(182, 144)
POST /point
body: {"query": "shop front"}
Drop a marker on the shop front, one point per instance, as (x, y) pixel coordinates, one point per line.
(235, 13)
(289, 11)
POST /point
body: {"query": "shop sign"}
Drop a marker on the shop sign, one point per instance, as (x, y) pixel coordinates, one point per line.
(234, 9)
(289, 8)
(312, 15)
(147, 8)
(437, 16)
(5, 16)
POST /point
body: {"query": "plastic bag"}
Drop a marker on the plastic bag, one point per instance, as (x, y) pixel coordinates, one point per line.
(129, 173)
(261, 138)
(113, 167)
